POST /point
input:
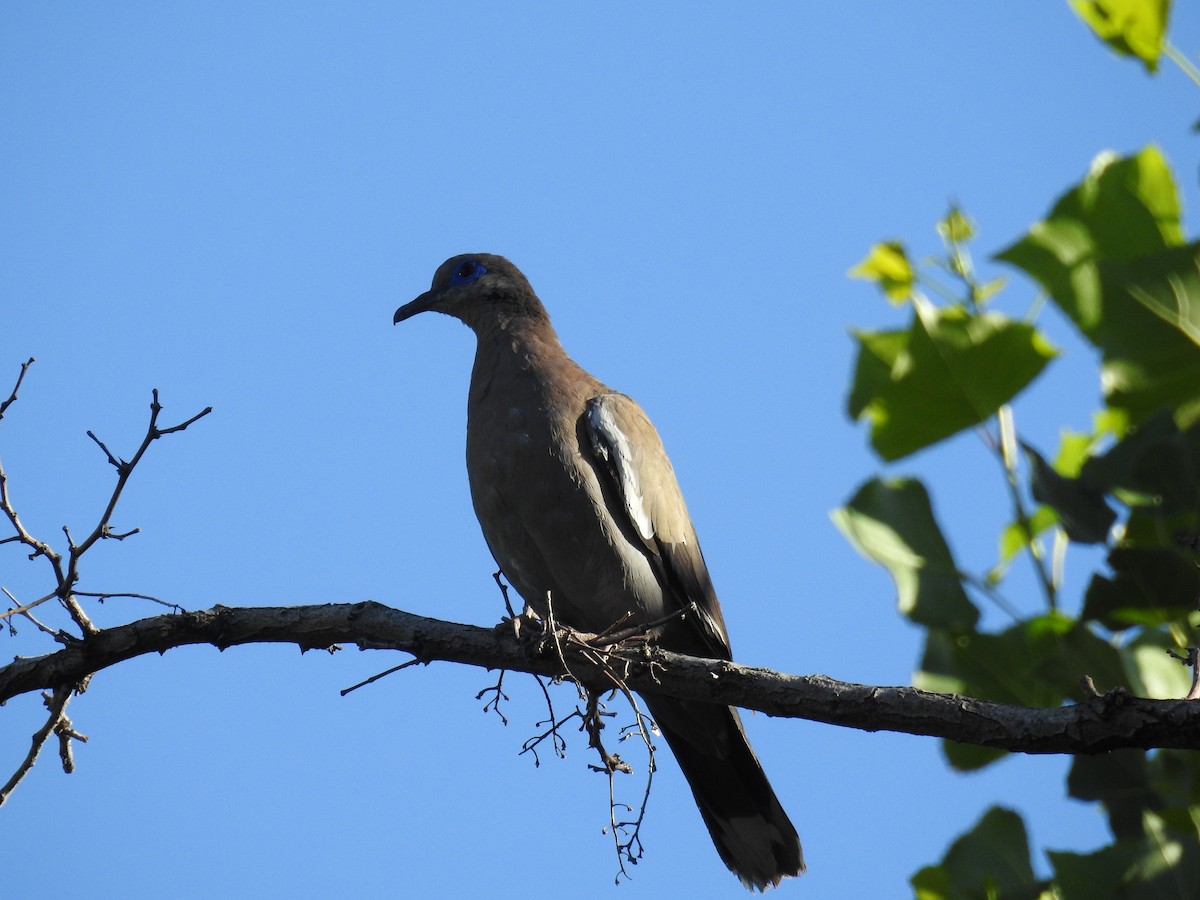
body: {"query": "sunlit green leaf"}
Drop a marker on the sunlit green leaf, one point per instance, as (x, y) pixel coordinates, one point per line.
(1130, 27)
(1110, 255)
(1152, 671)
(955, 369)
(989, 289)
(1129, 205)
(956, 227)
(1016, 537)
(892, 523)
(1074, 450)
(888, 266)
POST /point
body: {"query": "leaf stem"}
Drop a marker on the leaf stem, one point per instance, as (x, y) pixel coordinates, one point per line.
(1006, 452)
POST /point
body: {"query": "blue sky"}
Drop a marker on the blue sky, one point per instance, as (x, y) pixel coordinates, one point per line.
(227, 201)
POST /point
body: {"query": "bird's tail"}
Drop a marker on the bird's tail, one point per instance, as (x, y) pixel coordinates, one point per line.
(749, 827)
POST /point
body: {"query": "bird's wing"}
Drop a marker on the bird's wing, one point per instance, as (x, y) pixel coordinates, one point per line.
(635, 464)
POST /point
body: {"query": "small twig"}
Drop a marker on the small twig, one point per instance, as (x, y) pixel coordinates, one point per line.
(19, 610)
(12, 396)
(610, 637)
(593, 723)
(497, 692)
(557, 742)
(1191, 660)
(1089, 687)
(56, 703)
(103, 530)
(498, 577)
(111, 595)
(385, 674)
(1007, 457)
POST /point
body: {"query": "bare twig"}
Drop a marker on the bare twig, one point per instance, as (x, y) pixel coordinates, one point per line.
(383, 674)
(12, 396)
(557, 741)
(129, 595)
(25, 611)
(1191, 659)
(497, 692)
(56, 703)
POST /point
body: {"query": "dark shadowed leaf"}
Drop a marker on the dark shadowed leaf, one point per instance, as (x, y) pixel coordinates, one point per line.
(989, 861)
(1038, 663)
(878, 352)
(1148, 586)
(1156, 465)
(1085, 515)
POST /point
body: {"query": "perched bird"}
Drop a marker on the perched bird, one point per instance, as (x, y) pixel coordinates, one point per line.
(580, 507)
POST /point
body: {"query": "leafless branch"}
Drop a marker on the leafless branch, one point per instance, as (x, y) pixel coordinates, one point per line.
(1109, 721)
(66, 577)
(383, 674)
(12, 396)
(56, 703)
(497, 695)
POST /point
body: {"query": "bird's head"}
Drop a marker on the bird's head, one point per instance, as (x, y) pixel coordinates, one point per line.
(480, 289)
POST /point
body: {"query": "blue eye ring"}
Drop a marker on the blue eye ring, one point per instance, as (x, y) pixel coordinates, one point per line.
(467, 271)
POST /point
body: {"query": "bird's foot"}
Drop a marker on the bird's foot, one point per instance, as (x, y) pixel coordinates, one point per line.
(527, 626)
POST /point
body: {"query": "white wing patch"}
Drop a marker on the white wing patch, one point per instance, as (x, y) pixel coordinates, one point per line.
(614, 448)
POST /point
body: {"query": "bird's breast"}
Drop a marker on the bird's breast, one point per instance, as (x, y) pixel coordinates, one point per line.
(543, 514)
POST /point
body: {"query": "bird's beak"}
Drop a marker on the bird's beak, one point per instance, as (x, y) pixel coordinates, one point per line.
(408, 310)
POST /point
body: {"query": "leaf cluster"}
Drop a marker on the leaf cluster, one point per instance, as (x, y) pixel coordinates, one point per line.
(1111, 256)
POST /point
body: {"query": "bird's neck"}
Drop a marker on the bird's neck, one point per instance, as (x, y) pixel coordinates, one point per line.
(528, 359)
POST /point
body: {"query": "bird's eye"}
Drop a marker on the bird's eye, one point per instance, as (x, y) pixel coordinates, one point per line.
(467, 272)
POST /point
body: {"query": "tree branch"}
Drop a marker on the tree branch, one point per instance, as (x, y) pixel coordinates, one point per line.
(1098, 724)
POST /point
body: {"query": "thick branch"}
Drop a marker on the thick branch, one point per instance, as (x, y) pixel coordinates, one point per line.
(1101, 723)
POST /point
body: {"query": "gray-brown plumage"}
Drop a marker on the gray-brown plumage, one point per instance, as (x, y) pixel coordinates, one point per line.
(578, 501)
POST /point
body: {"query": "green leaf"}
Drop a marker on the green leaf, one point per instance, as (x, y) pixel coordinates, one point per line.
(996, 667)
(1168, 284)
(1120, 782)
(1129, 206)
(1162, 865)
(1149, 586)
(956, 369)
(989, 861)
(1130, 27)
(1102, 875)
(1038, 662)
(1111, 256)
(1016, 537)
(1154, 465)
(970, 757)
(1085, 515)
(892, 523)
(1152, 671)
(878, 353)
(956, 227)
(1074, 449)
(888, 266)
